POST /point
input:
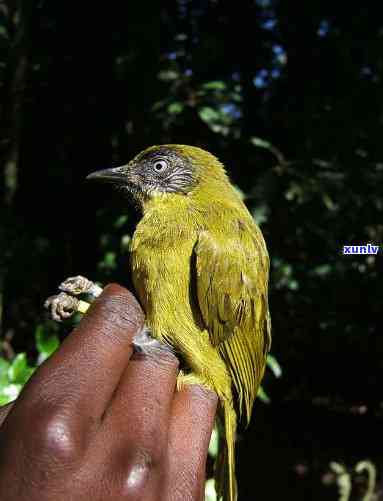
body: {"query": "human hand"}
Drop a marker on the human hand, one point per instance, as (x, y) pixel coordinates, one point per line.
(99, 422)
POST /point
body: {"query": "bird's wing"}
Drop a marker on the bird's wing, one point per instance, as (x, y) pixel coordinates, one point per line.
(232, 280)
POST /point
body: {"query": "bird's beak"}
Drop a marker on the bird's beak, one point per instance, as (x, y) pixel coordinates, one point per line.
(117, 175)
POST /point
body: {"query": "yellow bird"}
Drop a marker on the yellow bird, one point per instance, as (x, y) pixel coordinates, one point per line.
(200, 268)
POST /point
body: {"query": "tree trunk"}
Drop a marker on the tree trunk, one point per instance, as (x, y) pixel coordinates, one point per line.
(14, 17)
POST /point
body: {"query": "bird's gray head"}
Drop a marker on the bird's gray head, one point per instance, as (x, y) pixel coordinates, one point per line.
(157, 170)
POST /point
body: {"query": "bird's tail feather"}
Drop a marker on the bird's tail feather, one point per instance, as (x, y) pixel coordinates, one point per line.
(224, 474)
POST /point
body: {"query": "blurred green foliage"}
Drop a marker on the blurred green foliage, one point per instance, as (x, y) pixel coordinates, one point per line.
(14, 374)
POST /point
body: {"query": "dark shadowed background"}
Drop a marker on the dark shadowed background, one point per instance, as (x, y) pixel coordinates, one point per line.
(289, 96)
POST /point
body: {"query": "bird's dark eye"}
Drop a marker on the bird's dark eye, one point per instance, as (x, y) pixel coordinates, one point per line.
(160, 165)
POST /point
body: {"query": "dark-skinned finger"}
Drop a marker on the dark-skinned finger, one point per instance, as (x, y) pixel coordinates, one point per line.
(140, 409)
(84, 372)
(191, 425)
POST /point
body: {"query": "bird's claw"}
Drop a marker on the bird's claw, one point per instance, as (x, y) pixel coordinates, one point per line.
(80, 285)
(76, 285)
(61, 306)
(65, 304)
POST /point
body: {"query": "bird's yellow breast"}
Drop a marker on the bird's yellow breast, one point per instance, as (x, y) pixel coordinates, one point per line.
(161, 253)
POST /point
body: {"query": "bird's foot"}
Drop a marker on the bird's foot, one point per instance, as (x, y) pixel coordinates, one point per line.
(146, 345)
(80, 285)
(65, 304)
(61, 306)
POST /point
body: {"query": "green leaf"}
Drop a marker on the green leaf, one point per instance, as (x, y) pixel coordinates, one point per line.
(125, 242)
(109, 261)
(261, 143)
(104, 240)
(120, 221)
(322, 270)
(4, 32)
(273, 364)
(260, 214)
(9, 393)
(158, 105)
(46, 343)
(175, 108)
(214, 443)
(4, 400)
(328, 202)
(4, 366)
(214, 85)
(293, 285)
(208, 114)
(168, 75)
(210, 492)
(262, 395)
(220, 128)
(19, 372)
(241, 193)
(17, 367)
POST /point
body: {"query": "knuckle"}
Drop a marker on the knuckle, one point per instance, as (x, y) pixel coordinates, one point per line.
(138, 469)
(54, 437)
(136, 477)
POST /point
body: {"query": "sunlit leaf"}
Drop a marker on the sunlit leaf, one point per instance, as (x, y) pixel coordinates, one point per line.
(46, 343)
(125, 242)
(175, 108)
(293, 285)
(120, 221)
(322, 270)
(260, 214)
(273, 364)
(4, 366)
(19, 372)
(328, 202)
(262, 395)
(214, 85)
(241, 193)
(208, 114)
(9, 393)
(168, 75)
(109, 261)
(210, 492)
(214, 443)
(261, 143)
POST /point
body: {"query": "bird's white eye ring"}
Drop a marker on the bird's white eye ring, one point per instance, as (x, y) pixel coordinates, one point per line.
(160, 165)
